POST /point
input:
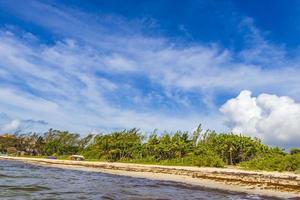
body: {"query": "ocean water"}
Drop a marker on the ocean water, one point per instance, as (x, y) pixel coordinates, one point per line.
(21, 181)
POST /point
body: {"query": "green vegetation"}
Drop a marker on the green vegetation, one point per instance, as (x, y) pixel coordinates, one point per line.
(200, 148)
(274, 163)
(276, 160)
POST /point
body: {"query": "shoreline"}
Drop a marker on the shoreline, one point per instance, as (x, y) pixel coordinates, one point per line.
(273, 184)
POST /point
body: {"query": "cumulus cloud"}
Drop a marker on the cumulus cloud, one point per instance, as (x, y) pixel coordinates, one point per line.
(275, 119)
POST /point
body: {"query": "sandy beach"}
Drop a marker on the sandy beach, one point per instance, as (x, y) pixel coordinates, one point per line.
(283, 185)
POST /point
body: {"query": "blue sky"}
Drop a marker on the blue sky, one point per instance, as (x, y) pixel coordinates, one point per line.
(95, 66)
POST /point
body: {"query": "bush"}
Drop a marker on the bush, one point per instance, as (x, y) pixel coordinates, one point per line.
(233, 148)
(205, 157)
(208, 161)
(274, 163)
(295, 151)
(91, 153)
(12, 151)
(199, 148)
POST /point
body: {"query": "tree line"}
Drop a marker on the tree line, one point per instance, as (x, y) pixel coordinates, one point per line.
(199, 148)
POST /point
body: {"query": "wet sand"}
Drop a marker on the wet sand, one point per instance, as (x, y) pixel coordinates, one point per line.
(283, 185)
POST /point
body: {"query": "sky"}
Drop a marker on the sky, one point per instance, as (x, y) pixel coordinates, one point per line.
(97, 66)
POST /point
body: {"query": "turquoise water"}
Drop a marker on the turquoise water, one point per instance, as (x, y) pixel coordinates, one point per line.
(21, 181)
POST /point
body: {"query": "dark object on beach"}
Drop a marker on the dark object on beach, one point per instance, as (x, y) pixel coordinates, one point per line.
(76, 157)
(51, 157)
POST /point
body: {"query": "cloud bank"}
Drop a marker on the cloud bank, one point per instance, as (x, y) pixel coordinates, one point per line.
(274, 119)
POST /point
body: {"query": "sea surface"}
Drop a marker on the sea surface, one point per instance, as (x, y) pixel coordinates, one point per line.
(25, 181)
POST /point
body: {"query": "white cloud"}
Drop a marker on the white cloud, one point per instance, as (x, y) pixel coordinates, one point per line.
(12, 126)
(272, 118)
(62, 82)
(112, 43)
(69, 95)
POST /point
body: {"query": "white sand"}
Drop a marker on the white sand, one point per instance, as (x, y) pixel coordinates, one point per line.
(217, 178)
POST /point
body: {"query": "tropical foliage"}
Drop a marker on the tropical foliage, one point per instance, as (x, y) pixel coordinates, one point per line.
(199, 148)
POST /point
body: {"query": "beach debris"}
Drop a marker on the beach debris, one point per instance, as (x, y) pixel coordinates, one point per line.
(76, 157)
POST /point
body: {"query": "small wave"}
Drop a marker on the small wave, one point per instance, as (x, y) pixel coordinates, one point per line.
(31, 188)
(108, 197)
(10, 176)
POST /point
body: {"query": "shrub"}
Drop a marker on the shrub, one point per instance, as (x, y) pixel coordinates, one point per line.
(274, 163)
(295, 151)
(205, 157)
(208, 161)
